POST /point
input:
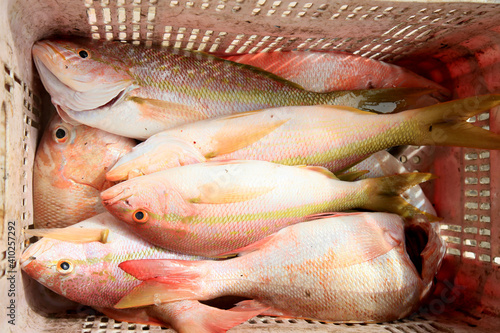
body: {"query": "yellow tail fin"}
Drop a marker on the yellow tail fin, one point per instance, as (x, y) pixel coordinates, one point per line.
(446, 124)
(384, 194)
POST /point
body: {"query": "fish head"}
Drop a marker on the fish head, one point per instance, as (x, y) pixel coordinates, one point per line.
(85, 272)
(145, 202)
(159, 152)
(70, 168)
(58, 266)
(80, 75)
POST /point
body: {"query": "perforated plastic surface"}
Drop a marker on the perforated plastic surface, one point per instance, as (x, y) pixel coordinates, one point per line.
(454, 43)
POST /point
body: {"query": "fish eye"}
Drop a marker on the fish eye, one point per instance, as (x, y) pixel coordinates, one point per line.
(140, 216)
(65, 266)
(61, 134)
(83, 54)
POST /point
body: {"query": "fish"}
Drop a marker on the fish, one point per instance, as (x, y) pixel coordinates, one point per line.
(343, 268)
(136, 92)
(88, 273)
(334, 137)
(69, 172)
(214, 207)
(330, 71)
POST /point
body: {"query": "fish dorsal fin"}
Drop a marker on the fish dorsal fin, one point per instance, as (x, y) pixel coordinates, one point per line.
(352, 176)
(319, 169)
(234, 136)
(213, 193)
(72, 234)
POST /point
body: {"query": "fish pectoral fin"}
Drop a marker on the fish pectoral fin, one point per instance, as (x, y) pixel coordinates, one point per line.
(237, 135)
(319, 169)
(213, 193)
(352, 175)
(72, 234)
(153, 292)
(151, 107)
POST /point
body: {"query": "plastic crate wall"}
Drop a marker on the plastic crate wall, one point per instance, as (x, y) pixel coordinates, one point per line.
(455, 43)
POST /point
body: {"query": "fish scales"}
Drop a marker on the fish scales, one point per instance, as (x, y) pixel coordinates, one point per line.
(348, 267)
(92, 277)
(137, 92)
(210, 208)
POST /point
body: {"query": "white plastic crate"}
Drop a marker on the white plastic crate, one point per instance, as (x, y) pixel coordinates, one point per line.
(455, 43)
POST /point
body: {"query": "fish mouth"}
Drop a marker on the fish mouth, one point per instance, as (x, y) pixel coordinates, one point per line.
(34, 251)
(76, 89)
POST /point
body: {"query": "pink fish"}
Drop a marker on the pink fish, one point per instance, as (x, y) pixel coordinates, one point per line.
(88, 273)
(333, 137)
(134, 91)
(69, 172)
(329, 71)
(347, 268)
(214, 207)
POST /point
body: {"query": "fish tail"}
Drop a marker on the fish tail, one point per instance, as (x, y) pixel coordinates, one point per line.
(193, 316)
(384, 194)
(386, 100)
(445, 124)
(164, 281)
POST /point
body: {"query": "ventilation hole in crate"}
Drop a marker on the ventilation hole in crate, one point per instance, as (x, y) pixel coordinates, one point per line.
(472, 119)
(471, 180)
(471, 205)
(252, 321)
(452, 251)
(471, 193)
(484, 180)
(86, 331)
(451, 227)
(131, 327)
(470, 217)
(469, 255)
(485, 219)
(485, 206)
(470, 242)
(470, 230)
(451, 239)
(496, 260)
(484, 167)
(485, 245)
(471, 168)
(471, 156)
(145, 327)
(484, 154)
(485, 232)
(292, 321)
